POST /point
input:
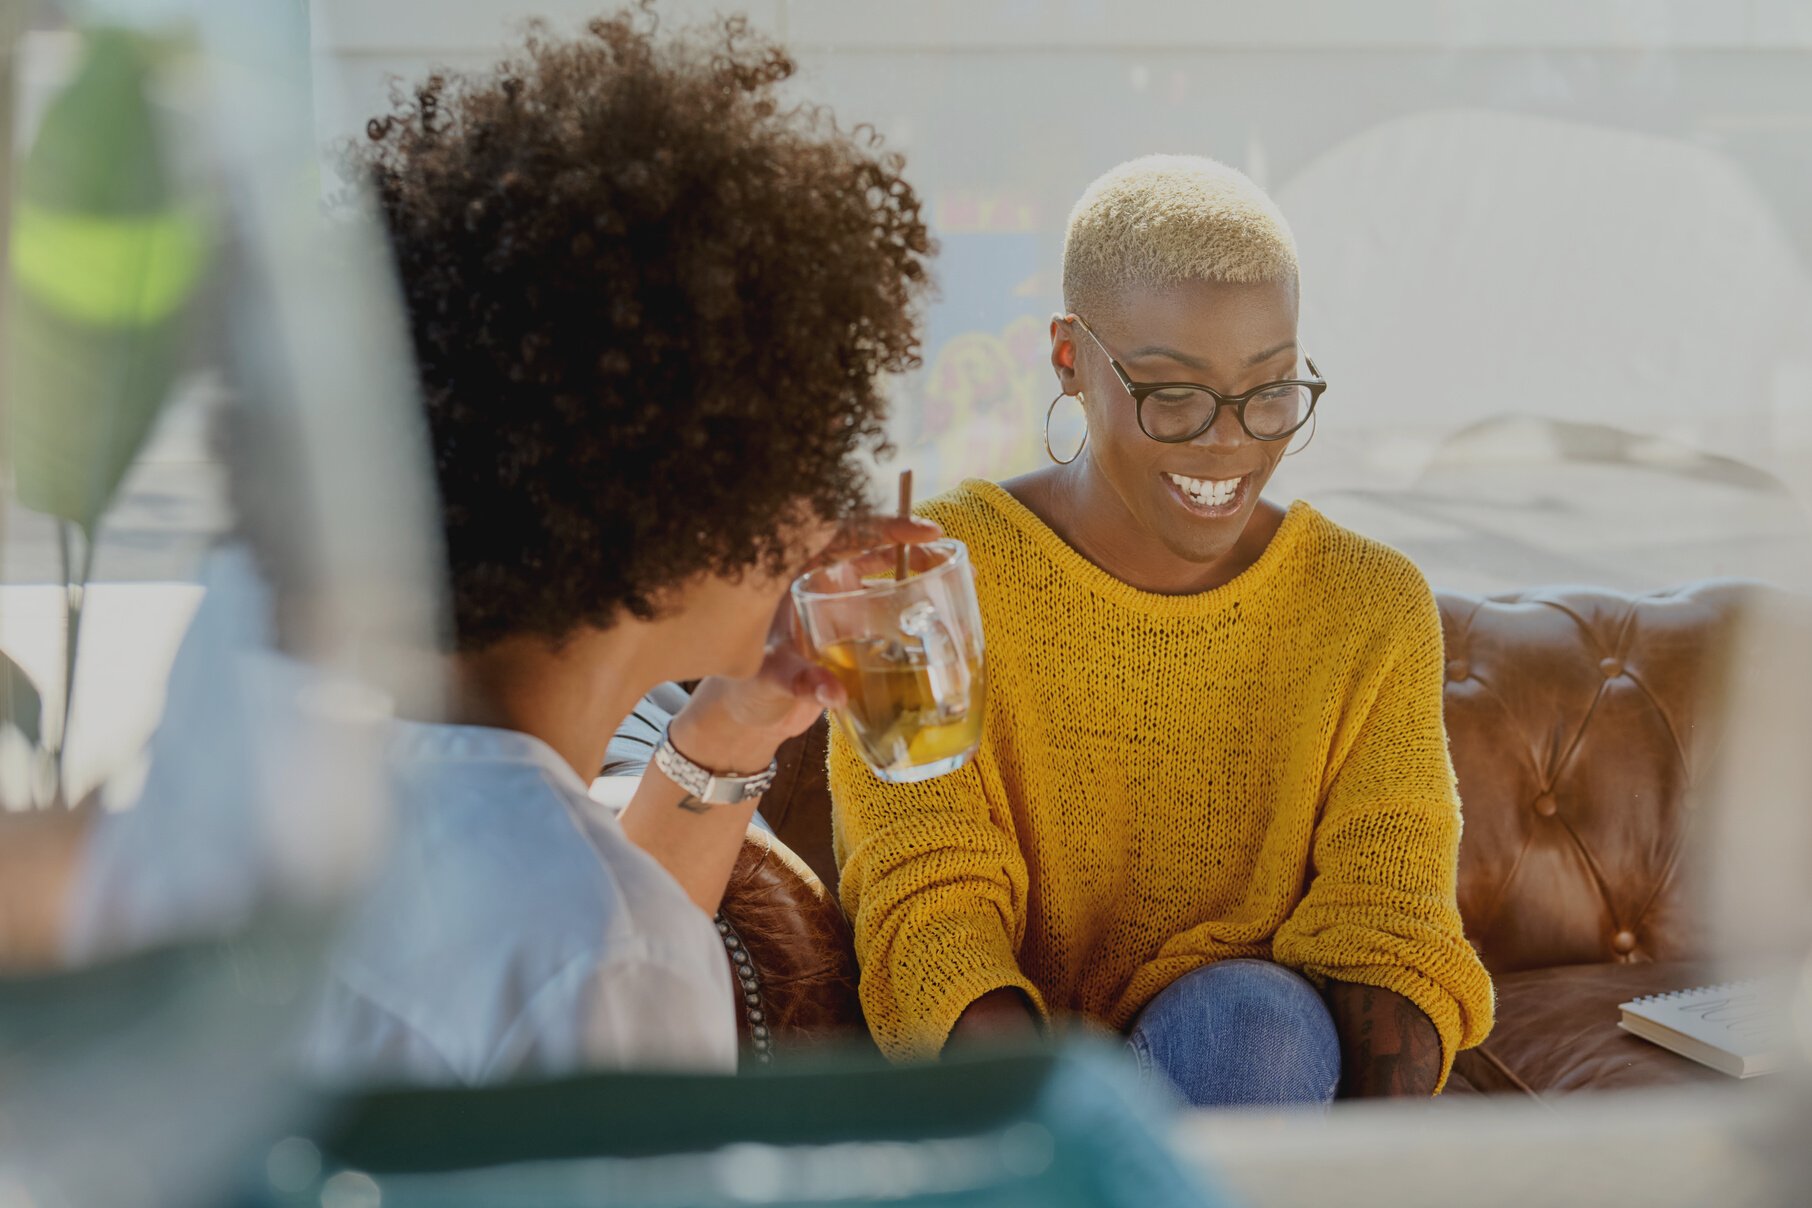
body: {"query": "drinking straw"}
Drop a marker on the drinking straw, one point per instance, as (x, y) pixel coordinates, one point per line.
(902, 567)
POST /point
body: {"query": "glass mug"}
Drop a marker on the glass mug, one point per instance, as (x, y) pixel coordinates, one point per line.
(907, 651)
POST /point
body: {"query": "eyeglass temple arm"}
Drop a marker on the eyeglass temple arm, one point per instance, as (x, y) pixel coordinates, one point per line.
(1112, 361)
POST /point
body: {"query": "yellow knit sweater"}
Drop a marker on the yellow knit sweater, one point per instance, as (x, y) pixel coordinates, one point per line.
(1260, 770)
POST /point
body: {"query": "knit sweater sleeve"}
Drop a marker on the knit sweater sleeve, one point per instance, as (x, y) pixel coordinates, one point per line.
(1380, 908)
(933, 880)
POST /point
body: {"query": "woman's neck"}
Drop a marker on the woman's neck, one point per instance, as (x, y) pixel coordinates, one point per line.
(1084, 510)
(572, 697)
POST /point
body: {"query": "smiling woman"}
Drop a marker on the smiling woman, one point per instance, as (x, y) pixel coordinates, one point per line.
(1212, 807)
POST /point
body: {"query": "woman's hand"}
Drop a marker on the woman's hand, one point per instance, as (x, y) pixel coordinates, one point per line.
(734, 726)
(39, 854)
(998, 1017)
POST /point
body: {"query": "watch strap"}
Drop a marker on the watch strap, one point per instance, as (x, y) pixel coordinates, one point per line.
(712, 788)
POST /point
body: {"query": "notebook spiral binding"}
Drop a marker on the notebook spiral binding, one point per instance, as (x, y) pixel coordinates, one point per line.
(1714, 988)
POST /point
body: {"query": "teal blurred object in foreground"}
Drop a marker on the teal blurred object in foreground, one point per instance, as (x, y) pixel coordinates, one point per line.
(91, 1054)
(141, 1081)
(1033, 1128)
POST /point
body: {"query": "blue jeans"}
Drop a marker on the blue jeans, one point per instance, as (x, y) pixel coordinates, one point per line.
(1240, 1033)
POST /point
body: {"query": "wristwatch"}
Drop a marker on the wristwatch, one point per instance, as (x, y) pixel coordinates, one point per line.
(710, 787)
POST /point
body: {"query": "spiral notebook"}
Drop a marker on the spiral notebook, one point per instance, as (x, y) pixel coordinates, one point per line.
(1738, 1027)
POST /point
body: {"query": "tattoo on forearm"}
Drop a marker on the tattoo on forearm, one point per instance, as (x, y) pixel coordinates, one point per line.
(1389, 1046)
(692, 805)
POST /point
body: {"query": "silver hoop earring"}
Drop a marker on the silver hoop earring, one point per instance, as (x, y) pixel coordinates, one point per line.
(1048, 413)
(1314, 426)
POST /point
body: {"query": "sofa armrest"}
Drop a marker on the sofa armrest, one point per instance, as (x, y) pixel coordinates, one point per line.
(791, 953)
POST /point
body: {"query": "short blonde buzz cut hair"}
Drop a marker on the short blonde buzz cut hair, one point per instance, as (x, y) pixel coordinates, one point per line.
(1165, 219)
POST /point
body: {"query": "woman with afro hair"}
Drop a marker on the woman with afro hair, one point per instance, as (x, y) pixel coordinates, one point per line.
(652, 305)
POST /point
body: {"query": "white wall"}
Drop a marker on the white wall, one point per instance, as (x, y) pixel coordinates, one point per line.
(410, 26)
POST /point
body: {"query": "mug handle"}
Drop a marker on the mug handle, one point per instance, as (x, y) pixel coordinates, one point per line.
(946, 667)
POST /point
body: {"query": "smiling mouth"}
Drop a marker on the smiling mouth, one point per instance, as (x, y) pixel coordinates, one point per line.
(1210, 496)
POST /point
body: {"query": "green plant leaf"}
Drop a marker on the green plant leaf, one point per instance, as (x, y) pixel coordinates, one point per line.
(20, 703)
(105, 261)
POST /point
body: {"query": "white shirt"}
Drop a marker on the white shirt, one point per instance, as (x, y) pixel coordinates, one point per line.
(514, 930)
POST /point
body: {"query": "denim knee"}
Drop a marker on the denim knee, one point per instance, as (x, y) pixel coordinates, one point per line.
(1240, 1033)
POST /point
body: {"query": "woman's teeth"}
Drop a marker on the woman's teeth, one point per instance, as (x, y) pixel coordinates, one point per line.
(1205, 492)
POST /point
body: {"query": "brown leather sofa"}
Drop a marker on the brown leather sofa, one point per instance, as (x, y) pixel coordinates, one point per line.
(1581, 722)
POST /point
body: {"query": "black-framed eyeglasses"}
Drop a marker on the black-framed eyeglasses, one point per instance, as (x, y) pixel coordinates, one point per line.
(1178, 412)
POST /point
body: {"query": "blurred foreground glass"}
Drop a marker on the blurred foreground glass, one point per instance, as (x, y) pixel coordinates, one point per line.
(907, 651)
(213, 455)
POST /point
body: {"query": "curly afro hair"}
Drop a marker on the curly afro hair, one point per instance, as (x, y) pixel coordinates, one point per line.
(652, 305)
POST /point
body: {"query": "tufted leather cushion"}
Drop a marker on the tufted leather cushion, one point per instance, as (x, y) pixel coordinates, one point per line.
(790, 951)
(797, 805)
(1580, 724)
(1557, 1031)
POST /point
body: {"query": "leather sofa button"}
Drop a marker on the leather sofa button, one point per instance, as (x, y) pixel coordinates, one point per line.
(1546, 805)
(1612, 668)
(1624, 942)
(1457, 670)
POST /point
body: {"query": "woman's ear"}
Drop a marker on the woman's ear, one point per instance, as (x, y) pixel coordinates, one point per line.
(1063, 353)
